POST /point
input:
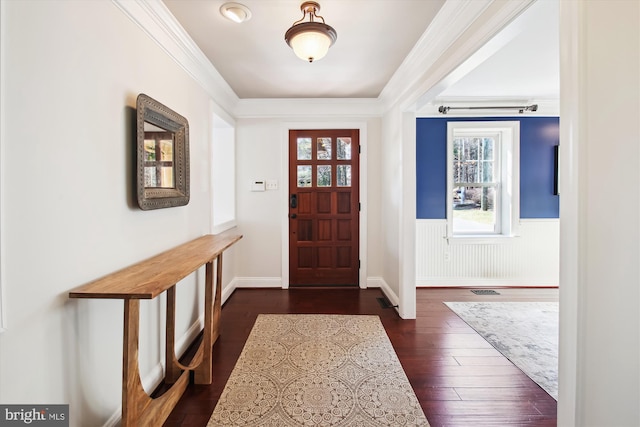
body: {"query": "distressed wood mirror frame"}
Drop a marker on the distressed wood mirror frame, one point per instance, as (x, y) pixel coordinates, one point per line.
(162, 155)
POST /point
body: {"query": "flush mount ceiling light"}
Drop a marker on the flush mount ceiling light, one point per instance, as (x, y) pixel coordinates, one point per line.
(310, 40)
(235, 12)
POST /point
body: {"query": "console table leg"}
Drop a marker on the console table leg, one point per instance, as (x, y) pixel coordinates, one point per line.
(217, 303)
(134, 398)
(172, 371)
(203, 373)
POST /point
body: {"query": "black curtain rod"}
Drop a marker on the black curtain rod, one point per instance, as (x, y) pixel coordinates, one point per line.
(521, 108)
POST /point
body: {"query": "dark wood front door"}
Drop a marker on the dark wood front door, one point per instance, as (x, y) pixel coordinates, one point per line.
(323, 207)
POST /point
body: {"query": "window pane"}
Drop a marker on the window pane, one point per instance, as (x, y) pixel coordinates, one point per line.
(466, 148)
(486, 161)
(465, 171)
(343, 175)
(344, 149)
(487, 148)
(166, 150)
(324, 149)
(150, 179)
(149, 150)
(474, 210)
(486, 171)
(324, 176)
(304, 176)
(166, 177)
(304, 149)
(473, 160)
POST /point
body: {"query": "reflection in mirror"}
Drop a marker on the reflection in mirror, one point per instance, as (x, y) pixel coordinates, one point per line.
(158, 157)
(163, 156)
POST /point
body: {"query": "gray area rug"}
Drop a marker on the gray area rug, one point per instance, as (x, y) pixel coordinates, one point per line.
(318, 370)
(524, 332)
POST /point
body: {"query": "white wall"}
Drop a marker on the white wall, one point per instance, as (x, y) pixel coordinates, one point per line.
(392, 191)
(599, 364)
(262, 216)
(71, 74)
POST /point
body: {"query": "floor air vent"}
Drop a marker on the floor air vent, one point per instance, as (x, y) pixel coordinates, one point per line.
(485, 292)
(384, 303)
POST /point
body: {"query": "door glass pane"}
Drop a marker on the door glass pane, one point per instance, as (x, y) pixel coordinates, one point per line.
(324, 176)
(324, 148)
(343, 175)
(474, 210)
(304, 148)
(344, 149)
(304, 176)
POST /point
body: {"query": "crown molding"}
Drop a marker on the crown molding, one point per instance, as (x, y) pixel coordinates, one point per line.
(459, 29)
(308, 107)
(153, 17)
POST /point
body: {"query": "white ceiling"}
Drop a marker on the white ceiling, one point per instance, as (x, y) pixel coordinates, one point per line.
(374, 38)
(526, 66)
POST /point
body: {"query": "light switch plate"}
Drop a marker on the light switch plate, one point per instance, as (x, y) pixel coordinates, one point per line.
(272, 184)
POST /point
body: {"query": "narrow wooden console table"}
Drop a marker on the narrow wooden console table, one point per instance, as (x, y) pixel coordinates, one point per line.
(147, 280)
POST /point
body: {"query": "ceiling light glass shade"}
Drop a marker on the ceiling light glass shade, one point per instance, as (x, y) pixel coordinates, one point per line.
(310, 41)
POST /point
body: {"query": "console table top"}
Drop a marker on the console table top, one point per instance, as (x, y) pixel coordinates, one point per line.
(149, 278)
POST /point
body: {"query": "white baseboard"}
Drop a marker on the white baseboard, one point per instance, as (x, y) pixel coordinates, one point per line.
(375, 282)
(228, 290)
(379, 282)
(115, 419)
(250, 282)
(449, 282)
(258, 282)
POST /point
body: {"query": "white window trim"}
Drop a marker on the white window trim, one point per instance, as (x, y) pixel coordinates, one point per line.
(223, 174)
(509, 216)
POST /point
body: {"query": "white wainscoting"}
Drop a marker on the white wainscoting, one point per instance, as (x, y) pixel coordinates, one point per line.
(530, 259)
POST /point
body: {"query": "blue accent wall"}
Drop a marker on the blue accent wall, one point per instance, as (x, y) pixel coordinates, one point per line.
(538, 137)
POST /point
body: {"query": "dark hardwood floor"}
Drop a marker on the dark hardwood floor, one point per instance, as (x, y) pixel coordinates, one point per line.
(459, 379)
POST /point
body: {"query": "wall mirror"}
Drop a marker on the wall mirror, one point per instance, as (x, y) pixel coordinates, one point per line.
(162, 155)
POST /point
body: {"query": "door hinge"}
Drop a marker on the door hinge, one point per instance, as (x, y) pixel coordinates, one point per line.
(358, 264)
(359, 206)
(359, 149)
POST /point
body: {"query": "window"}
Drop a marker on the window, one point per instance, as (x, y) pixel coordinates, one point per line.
(483, 168)
(223, 173)
(158, 159)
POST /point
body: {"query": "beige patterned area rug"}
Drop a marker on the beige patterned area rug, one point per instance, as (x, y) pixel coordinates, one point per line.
(318, 370)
